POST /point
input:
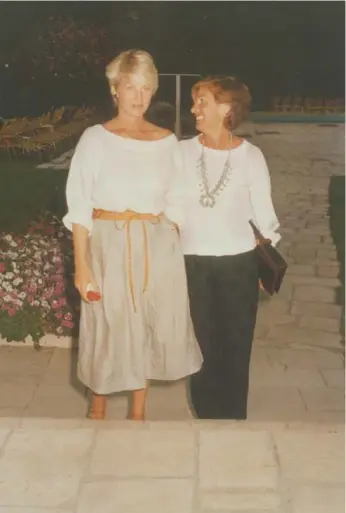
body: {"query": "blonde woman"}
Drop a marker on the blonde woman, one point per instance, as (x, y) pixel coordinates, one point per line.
(124, 210)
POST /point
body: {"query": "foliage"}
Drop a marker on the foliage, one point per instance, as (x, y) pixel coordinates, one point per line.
(337, 225)
(37, 295)
(26, 192)
(63, 47)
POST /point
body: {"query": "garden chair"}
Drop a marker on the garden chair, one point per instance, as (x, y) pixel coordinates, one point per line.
(286, 104)
(338, 105)
(317, 105)
(313, 105)
(297, 104)
(275, 102)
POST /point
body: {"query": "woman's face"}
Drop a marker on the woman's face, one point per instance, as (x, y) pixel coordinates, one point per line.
(209, 114)
(134, 95)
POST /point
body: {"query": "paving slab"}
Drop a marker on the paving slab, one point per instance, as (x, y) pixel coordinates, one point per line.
(9, 509)
(41, 468)
(245, 459)
(285, 384)
(335, 378)
(252, 499)
(143, 454)
(179, 467)
(137, 496)
(318, 460)
(317, 499)
(324, 400)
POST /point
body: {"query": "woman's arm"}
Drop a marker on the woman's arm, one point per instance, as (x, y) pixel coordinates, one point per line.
(83, 273)
(264, 215)
(78, 219)
(175, 196)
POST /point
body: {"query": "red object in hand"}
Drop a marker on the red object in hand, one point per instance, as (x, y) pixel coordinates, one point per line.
(92, 295)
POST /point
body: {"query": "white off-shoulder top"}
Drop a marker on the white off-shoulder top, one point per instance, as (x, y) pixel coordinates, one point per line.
(111, 172)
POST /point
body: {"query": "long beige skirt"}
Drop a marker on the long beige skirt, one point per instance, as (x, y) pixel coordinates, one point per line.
(141, 328)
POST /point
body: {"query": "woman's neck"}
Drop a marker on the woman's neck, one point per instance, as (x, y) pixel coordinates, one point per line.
(130, 123)
(217, 140)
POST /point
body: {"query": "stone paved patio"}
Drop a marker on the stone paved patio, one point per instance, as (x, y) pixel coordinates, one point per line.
(286, 385)
(183, 467)
(288, 457)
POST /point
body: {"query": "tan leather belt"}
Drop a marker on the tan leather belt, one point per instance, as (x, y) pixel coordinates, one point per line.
(128, 216)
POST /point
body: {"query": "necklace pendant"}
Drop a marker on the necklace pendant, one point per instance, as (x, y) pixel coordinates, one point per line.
(211, 202)
(208, 196)
(207, 201)
(204, 201)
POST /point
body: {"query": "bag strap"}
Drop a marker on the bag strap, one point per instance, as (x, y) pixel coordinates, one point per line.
(259, 237)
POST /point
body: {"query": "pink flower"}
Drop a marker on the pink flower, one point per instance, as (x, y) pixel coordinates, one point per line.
(62, 301)
(57, 277)
(58, 315)
(55, 304)
(12, 312)
(2, 267)
(48, 293)
(59, 289)
(68, 316)
(67, 324)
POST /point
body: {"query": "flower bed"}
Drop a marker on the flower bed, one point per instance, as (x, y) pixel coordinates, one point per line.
(37, 295)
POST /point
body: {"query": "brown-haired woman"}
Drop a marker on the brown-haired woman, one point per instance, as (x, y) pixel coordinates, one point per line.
(227, 183)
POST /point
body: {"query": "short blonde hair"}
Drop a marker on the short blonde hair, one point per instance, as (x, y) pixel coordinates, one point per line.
(132, 62)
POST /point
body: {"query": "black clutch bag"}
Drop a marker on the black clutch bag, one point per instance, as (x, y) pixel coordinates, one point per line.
(271, 265)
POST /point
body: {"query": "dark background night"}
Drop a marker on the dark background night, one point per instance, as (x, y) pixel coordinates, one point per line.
(277, 48)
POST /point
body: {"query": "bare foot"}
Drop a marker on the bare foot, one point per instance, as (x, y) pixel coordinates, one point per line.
(138, 403)
(97, 409)
(137, 417)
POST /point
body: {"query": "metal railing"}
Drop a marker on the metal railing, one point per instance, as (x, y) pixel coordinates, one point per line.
(178, 96)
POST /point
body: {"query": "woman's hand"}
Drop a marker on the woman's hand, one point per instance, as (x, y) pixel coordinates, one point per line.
(83, 278)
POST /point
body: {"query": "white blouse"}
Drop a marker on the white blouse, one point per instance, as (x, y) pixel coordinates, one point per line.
(111, 172)
(225, 229)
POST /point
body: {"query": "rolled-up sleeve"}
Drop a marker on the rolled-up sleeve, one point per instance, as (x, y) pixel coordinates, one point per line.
(175, 195)
(81, 178)
(261, 198)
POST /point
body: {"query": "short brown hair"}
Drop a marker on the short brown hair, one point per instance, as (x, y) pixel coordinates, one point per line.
(228, 90)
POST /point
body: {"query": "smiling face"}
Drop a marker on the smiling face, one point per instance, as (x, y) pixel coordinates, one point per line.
(133, 95)
(210, 115)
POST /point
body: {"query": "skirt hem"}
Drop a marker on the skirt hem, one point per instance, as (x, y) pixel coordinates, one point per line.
(138, 385)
